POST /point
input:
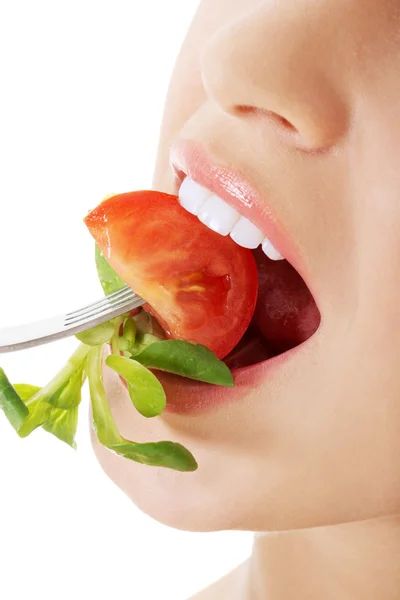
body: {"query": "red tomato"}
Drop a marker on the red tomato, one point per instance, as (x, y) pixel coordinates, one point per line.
(201, 286)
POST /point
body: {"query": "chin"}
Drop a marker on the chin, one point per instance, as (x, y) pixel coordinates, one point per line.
(187, 501)
(234, 488)
(180, 500)
(209, 499)
(206, 501)
(220, 495)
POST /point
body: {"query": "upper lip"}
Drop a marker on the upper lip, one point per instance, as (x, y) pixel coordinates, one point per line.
(188, 157)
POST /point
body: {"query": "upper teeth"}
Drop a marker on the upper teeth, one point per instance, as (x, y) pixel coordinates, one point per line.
(222, 218)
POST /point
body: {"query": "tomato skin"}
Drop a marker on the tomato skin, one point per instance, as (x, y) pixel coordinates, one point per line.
(202, 287)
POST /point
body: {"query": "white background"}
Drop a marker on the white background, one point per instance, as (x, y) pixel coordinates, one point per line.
(82, 86)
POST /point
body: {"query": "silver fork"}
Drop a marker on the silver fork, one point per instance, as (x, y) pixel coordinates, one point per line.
(55, 328)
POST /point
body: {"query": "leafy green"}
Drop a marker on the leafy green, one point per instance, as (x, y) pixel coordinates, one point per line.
(97, 335)
(59, 422)
(70, 396)
(115, 340)
(142, 341)
(41, 403)
(26, 391)
(110, 282)
(129, 333)
(39, 413)
(145, 391)
(63, 424)
(162, 454)
(11, 403)
(74, 364)
(157, 454)
(55, 406)
(187, 360)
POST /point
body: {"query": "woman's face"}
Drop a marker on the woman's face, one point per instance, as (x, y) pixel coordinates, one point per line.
(302, 98)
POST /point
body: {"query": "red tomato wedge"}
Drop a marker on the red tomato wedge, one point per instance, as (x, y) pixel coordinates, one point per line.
(201, 286)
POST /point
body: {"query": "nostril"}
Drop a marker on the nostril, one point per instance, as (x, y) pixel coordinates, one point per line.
(273, 116)
(284, 122)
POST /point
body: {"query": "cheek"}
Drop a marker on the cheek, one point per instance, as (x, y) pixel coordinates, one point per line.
(339, 436)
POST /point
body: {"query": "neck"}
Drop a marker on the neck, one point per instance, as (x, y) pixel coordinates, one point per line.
(358, 560)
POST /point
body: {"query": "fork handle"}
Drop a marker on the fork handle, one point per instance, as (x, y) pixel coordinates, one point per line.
(50, 330)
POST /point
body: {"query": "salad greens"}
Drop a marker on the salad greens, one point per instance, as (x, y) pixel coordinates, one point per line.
(164, 454)
(145, 391)
(101, 334)
(110, 282)
(186, 359)
(135, 349)
(12, 405)
(61, 423)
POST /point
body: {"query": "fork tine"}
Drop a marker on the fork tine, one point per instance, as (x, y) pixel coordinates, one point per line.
(94, 314)
(104, 316)
(106, 300)
(60, 326)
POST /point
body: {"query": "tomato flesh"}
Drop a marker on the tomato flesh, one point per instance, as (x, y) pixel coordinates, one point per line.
(202, 287)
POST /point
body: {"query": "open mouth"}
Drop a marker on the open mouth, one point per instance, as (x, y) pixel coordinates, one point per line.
(217, 269)
(286, 313)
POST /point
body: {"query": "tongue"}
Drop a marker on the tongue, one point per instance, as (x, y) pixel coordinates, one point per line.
(286, 314)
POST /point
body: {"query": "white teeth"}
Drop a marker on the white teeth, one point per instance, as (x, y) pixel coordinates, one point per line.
(270, 251)
(246, 234)
(218, 215)
(222, 218)
(192, 196)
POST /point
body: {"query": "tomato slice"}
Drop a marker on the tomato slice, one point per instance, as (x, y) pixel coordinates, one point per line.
(201, 286)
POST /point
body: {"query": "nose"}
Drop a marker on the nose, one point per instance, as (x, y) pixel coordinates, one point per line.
(277, 64)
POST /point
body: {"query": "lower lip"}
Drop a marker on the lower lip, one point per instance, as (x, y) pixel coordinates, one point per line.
(189, 396)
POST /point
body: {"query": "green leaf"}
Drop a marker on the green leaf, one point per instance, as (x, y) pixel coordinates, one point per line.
(11, 403)
(98, 335)
(59, 422)
(164, 454)
(116, 339)
(142, 341)
(161, 454)
(38, 411)
(25, 390)
(188, 360)
(70, 396)
(63, 424)
(110, 282)
(129, 333)
(54, 407)
(145, 391)
(75, 364)
(41, 403)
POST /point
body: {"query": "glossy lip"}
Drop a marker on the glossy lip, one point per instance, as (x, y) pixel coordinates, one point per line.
(194, 397)
(188, 158)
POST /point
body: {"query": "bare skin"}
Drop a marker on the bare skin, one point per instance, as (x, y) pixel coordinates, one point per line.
(351, 561)
(311, 455)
